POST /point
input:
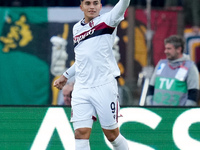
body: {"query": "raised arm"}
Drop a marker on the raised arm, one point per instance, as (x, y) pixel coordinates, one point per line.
(117, 13)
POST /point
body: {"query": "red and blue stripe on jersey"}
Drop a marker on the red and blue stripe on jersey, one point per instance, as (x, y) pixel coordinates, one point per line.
(100, 29)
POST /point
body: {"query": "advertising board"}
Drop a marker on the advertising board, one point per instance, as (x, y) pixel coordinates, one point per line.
(145, 128)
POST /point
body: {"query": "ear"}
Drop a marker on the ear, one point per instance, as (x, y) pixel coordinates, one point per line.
(81, 7)
(101, 5)
(179, 50)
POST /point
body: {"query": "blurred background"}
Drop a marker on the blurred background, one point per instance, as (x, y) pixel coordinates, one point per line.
(36, 45)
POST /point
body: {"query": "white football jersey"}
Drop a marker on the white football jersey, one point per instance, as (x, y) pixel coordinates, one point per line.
(94, 61)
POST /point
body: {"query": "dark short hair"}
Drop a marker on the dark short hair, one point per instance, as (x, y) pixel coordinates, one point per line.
(83, 0)
(176, 40)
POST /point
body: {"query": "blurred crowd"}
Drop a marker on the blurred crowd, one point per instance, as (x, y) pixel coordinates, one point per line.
(191, 8)
(23, 3)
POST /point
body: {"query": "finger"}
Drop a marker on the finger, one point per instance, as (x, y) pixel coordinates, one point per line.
(55, 83)
(57, 87)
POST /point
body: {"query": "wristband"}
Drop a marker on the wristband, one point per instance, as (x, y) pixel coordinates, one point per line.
(66, 75)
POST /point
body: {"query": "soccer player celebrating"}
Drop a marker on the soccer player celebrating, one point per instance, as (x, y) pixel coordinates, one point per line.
(95, 69)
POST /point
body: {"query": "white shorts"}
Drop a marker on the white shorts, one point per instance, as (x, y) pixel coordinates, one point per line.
(102, 100)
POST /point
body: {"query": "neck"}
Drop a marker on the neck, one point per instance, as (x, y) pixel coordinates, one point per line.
(181, 55)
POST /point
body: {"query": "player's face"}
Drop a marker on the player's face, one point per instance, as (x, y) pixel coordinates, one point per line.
(171, 52)
(91, 9)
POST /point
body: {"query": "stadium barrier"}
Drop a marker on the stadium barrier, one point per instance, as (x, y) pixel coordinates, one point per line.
(145, 128)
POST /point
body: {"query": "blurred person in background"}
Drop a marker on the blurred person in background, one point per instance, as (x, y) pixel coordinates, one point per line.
(67, 94)
(175, 81)
(95, 90)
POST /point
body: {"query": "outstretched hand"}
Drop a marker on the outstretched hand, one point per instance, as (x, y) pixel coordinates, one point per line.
(60, 82)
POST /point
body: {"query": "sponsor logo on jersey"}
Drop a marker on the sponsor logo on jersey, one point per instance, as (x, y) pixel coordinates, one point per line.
(77, 39)
(97, 30)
